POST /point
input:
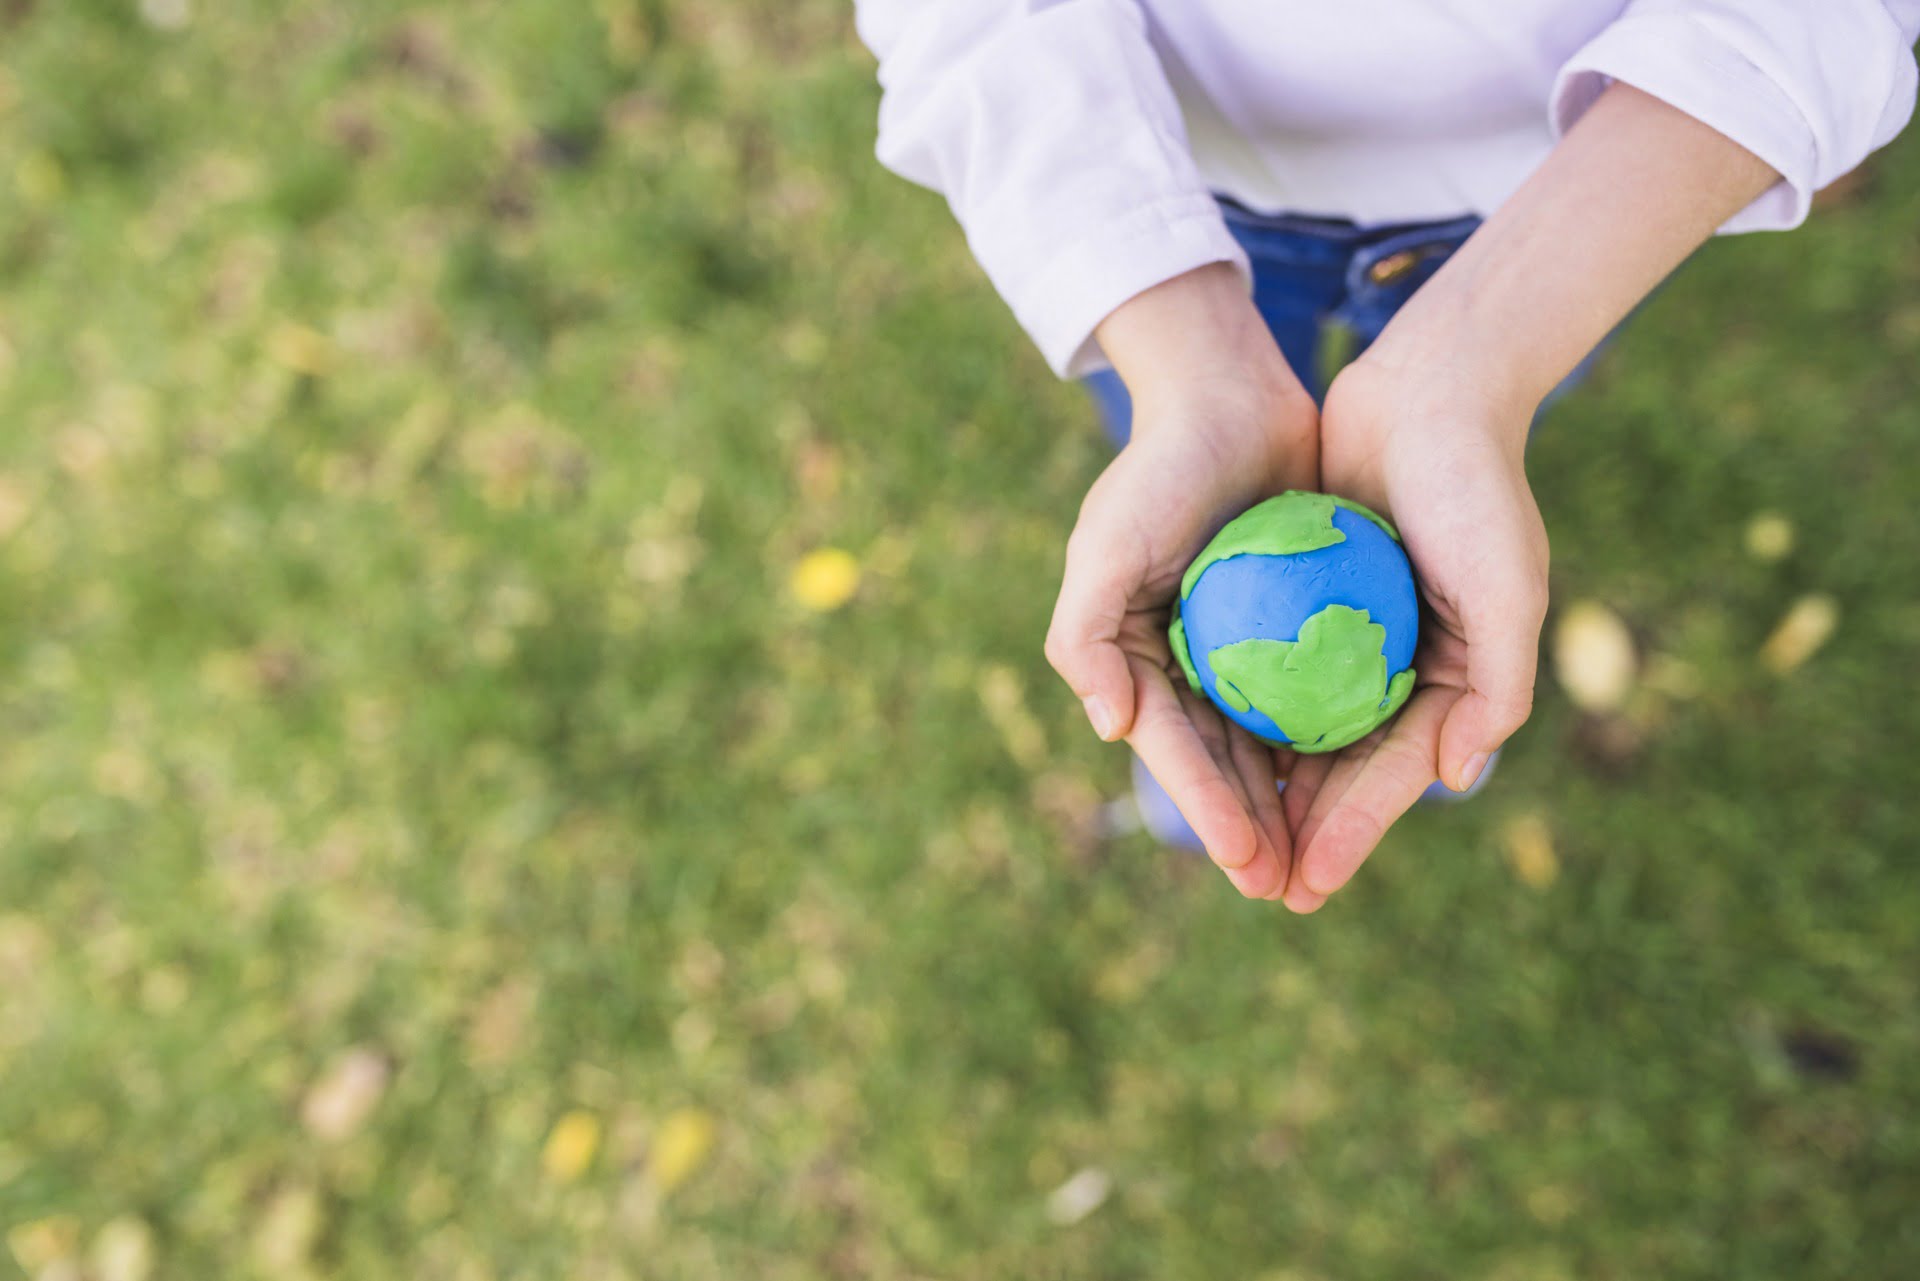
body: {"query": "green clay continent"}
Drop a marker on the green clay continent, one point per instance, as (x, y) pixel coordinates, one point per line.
(1177, 639)
(1361, 509)
(1325, 690)
(1284, 525)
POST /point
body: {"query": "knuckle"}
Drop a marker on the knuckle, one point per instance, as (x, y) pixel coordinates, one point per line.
(1408, 769)
(1232, 855)
(1364, 831)
(1511, 710)
(1057, 651)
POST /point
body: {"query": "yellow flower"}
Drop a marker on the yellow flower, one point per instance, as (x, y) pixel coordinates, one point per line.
(825, 579)
(571, 1145)
(680, 1148)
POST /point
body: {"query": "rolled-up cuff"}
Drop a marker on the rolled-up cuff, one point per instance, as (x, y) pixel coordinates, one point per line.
(1686, 64)
(1062, 303)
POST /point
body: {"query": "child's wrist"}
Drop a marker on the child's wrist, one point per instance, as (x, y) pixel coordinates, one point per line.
(1437, 349)
(1198, 338)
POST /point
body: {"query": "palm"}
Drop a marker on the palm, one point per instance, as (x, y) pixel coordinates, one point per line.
(1473, 534)
(1143, 521)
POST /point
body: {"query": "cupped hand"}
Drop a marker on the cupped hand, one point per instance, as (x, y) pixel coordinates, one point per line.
(1441, 454)
(1188, 470)
(1216, 428)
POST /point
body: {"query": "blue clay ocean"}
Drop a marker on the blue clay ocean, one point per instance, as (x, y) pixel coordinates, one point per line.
(1299, 621)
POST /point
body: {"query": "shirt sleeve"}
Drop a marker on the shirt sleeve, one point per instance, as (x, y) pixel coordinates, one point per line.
(1812, 87)
(1053, 133)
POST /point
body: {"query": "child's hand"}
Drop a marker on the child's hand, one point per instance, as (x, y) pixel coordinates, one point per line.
(1440, 454)
(1428, 426)
(1219, 423)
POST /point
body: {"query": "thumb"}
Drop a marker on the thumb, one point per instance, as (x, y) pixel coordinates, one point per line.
(1503, 657)
(1083, 641)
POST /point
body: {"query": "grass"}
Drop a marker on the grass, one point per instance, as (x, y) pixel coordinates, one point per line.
(434, 842)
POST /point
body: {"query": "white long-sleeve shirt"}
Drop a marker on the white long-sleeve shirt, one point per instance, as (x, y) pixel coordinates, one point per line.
(1079, 141)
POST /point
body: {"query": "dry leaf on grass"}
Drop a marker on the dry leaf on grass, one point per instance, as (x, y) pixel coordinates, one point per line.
(825, 579)
(1769, 536)
(1529, 848)
(680, 1148)
(302, 349)
(284, 1239)
(1006, 705)
(498, 1028)
(40, 1243)
(1079, 1196)
(340, 1102)
(1593, 657)
(1807, 626)
(571, 1146)
(122, 1250)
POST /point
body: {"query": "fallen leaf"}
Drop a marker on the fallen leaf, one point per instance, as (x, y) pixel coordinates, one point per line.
(680, 1148)
(283, 1242)
(817, 469)
(499, 1025)
(1593, 656)
(1006, 706)
(14, 506)
(1086, 1191)
(1769, 536)
(81, 451)
(301, 348)
(825, 579)
(571, 1146)
(1529, 846)
(166, 15)
(626, 30)
(1807, 626)
(341, 1100)
(122, 1250)
(40, 178)
(40, 1243)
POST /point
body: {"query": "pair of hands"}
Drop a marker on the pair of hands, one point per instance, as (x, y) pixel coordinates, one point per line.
(1220, 422)
(1428, 427)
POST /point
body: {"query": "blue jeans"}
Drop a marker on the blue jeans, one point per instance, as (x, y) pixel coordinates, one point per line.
(1318, 283)
(1326, 289)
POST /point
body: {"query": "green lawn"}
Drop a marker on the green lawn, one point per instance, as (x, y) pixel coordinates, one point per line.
(435, 842)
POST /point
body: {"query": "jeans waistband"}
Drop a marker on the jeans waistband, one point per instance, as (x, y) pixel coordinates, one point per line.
(1395, 256)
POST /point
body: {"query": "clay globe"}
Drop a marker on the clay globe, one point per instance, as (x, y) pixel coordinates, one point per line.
(1299, 621)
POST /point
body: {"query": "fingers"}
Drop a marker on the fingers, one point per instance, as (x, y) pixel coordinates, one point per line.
(1254, 762)
(1083, 639)
(1336, 774)
(1309, 774)
(1167, 735)
(1368, 792)
(1502, 624)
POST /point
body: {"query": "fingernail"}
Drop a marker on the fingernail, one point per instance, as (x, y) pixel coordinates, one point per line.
(1102, 716)
(1471, 772)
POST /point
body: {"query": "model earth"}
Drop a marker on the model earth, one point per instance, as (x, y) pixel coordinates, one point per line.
(1299, 620)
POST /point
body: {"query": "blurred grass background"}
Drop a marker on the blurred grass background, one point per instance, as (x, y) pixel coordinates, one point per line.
(456, 821)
